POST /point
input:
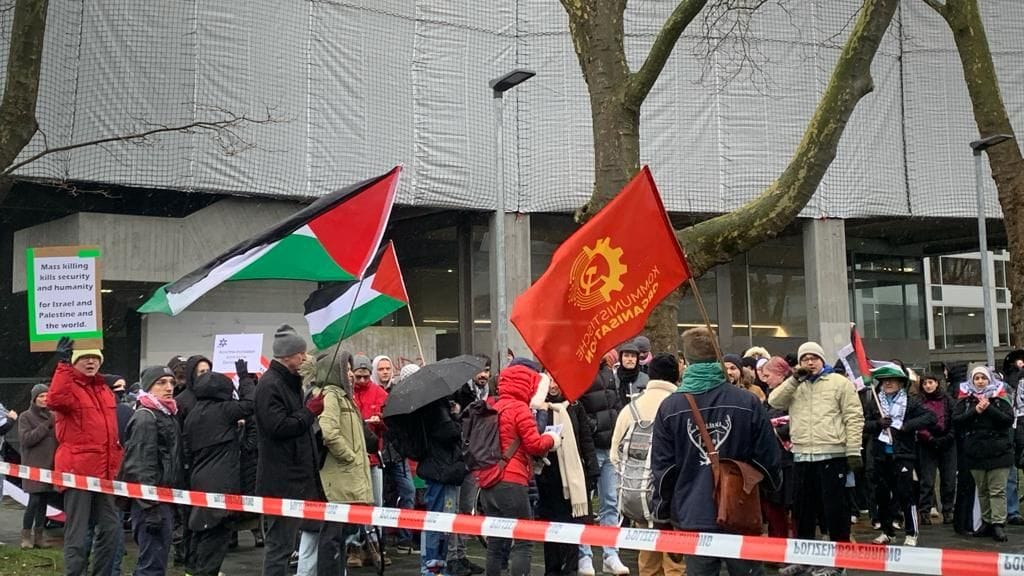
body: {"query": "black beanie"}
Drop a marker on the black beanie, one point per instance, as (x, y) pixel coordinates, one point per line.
(664, 367)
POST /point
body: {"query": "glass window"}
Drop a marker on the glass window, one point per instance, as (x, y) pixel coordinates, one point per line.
(1000, 266)
(775, 276)
(1003, 319)
(961, 271)
(689, 313)
(939, 327)
(887, 297)
(937, 293)
(430, 268)
(964, 326)
(1001, 295)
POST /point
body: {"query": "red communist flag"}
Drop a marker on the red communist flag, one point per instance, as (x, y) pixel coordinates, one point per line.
(602, 284)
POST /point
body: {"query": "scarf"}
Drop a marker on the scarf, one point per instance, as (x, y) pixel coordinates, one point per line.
(895, 407)
(1018, 406)
(168, 407)
(826, 369)
(701, 377)
(994, 389)
(570, 465)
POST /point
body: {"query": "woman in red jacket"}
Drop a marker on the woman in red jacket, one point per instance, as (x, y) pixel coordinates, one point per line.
(519, 389)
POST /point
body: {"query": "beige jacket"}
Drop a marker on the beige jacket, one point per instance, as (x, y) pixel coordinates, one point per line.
(647, 405)
(825, 416)
(346, 471)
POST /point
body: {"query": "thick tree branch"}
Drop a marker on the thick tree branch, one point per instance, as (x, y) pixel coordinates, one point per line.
(24, 62)
(720, 239)
(641, 81)
(217, 126)
(937, 6)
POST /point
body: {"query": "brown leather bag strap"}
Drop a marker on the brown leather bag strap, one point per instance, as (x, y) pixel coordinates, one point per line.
(709, 444)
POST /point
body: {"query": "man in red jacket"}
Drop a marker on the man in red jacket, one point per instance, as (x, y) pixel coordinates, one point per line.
(85, 420)
(519, 389)
(369, 398)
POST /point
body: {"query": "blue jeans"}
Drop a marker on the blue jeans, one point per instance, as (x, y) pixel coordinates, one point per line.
(434, 545)
(1012, 499)
(607, 494)
(398, 472)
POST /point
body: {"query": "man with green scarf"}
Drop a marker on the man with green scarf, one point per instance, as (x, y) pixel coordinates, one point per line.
(739, 427)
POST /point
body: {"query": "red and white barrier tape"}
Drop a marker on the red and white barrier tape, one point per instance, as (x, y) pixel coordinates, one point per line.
(898, 559)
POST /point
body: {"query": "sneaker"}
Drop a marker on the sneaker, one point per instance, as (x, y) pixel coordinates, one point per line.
(947, 517)
(1015, 520)
(795, 570)
(910, 541)
(882, 538)
(998, 534)
(613, 565)
(293, 560)
(853, 519)
(934, 513)
(828, 571)
(926, 520)
(876, 525)
(355, 559)
(897, 525)
(586, 566)
(474, 568)
(458, 567)
(408, 547)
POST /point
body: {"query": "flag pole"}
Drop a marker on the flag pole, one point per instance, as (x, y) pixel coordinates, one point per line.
(707, 322)
(344, 329)
(415, 332)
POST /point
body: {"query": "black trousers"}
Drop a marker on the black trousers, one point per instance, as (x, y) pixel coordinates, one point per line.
(330, 554)
(35, 512)
(963, 510)
(507, 500)
(559, 559)
(209, 547)
(819, 489)
(930, 461)
(894, 490)
(280, 543)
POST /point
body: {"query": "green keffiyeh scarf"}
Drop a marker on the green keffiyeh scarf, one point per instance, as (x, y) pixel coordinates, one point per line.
(701, 377)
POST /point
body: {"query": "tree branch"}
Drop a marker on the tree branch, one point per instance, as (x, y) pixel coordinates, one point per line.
(641, 81)
(216, 126)
(937, 6)
(719, 239)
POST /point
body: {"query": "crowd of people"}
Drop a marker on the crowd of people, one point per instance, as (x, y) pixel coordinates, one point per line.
(637, 448)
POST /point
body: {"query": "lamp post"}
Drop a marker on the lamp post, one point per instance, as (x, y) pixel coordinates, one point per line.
(499, 86)
(979, 146)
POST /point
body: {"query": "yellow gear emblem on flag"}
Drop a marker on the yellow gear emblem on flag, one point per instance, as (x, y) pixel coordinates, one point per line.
(596, 274)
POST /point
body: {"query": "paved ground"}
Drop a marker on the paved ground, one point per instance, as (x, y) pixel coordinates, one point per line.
(246, 560)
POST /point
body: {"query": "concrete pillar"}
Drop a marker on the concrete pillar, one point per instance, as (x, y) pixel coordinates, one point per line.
(828, 307)
(517, 276)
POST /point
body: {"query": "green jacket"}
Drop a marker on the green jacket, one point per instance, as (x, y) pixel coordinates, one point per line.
(346, 471)
(825, 416)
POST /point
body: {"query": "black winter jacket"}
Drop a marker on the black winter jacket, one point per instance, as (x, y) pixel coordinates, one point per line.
(443, 463)
(152, 451)
(549, 481)
(186, 398)
(602, 404)
(987, 444)
(212, 441)
(288, 458)
(904, 445)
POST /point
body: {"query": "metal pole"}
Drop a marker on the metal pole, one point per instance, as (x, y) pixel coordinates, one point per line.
(501, 329)
(986, 277)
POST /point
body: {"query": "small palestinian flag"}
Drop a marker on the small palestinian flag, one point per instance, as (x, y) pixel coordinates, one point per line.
(332, 239)
(339, 310)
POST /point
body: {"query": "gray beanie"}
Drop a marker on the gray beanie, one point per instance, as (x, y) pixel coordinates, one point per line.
(643, 343)
(288, 342)
(39, 389)
(151, 374)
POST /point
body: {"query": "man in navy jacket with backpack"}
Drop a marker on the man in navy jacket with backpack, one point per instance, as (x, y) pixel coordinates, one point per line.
(684, 487)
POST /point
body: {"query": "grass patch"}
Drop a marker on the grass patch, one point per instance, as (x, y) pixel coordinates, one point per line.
(17, 562)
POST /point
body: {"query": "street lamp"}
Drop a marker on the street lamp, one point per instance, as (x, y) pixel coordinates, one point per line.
(979, 146)
(499, 86)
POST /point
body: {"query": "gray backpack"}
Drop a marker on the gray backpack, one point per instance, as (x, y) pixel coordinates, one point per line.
(636, 485)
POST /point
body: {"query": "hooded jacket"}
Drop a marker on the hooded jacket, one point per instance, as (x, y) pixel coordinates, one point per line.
(602, 403)
(288, 458)
(684, 488)
(987, 442)
(443, 462)
(938, 435)
(370, 399)
(346, 471)
(152, 451)
(516, 387)
(212, 440)
(186, 398)
(904, 440)
(85, 422)
(37, 443)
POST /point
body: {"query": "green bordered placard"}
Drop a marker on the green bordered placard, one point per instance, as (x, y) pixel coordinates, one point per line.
(64, 297)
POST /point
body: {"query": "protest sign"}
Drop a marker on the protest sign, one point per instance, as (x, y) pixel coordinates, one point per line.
(230, 347)
(64, 296)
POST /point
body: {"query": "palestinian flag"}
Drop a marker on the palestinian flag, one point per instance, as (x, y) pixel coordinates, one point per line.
(339, 310)
(855, 359)
(331, 240)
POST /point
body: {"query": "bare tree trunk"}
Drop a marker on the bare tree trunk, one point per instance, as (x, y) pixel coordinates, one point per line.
(616, 96)
(1005, 159)
(24, 62)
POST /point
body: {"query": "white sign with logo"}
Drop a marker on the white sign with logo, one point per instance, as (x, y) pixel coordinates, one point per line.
(227, 348)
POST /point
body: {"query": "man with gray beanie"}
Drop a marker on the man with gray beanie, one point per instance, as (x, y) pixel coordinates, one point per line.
(826, 421)
(288, 458)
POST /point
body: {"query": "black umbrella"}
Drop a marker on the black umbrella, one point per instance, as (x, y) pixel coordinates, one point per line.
(432, 382)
